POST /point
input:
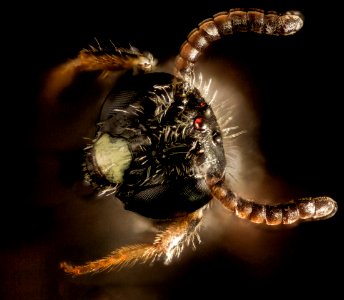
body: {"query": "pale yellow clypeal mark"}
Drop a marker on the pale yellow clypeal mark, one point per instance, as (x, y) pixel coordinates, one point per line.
(112, 156)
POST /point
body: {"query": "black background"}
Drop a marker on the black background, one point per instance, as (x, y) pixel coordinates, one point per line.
(300, 92)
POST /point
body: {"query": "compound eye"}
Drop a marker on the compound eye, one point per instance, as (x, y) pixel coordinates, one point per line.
(200, 123)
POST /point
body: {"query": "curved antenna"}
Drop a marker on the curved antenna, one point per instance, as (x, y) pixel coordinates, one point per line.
(228, 23)
(303, 209)
(198, 41)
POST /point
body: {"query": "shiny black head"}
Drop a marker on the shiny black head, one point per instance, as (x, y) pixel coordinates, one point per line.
(158, 141)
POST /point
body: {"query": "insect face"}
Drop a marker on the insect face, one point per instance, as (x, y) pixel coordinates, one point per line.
(158, 141)
(158, 146)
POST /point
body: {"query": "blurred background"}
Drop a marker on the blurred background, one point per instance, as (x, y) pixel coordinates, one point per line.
(285, 92)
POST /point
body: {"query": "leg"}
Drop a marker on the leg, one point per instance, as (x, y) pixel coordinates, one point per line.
(118, 59)
(303, 209)
(167, 245)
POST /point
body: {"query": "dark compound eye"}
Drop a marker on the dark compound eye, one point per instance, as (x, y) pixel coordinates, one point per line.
(200, 123)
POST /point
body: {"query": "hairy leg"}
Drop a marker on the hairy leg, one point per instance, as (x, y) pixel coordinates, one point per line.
(90, 60)
(167, 245)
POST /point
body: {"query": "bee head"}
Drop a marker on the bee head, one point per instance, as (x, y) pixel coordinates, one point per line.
(157, 144)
